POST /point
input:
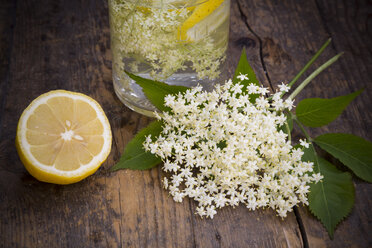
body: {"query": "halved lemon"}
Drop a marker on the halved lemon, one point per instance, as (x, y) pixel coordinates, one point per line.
(63, 137)
(206, 18)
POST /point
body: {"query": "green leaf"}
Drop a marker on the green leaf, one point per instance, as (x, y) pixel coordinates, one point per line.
(331, 199)
(317, 112)
(134, 156)
(155, 91)
(245, 69)
(353, 151)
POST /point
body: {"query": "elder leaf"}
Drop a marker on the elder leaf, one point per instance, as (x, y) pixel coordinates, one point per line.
(134, 156)
(353, 151)
(244, 68)
(331, 199)
(317, 112)
(155, 91)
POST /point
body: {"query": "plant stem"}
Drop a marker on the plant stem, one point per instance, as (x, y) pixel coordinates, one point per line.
(288, 130)
(313, 75)
(311, 61)
(294, 117)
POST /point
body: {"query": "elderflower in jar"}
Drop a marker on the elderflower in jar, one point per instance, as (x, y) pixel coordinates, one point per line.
(179, 42)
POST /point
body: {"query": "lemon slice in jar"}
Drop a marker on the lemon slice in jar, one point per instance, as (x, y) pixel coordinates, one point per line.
(206, 18)
(63, 137)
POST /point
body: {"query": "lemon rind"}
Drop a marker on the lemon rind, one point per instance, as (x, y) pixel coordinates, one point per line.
(44, 172)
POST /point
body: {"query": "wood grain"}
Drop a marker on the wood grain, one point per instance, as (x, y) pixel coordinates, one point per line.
(65, 45)
(291, 32)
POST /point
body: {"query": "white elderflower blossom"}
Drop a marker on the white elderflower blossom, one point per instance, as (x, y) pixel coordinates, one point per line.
(283, 87)
(242, 77)
(304, 143)
(220, 149)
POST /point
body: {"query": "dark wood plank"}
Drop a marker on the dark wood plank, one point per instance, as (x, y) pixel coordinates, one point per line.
(65, 44)
(7, 22)
(347, 23)
(291, 32)
(56, 44)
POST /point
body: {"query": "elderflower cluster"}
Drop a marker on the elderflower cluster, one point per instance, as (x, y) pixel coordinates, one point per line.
(220, 149)
(145, 38)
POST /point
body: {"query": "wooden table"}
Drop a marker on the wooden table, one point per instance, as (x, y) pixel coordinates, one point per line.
(64, 44)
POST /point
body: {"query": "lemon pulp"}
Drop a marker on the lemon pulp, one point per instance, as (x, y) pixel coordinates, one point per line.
(63, 137)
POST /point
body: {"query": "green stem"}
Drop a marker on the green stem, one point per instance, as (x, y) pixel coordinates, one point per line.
(311, 61)
(313, 75)
(303, 130)
(308, 64)
(288, 130)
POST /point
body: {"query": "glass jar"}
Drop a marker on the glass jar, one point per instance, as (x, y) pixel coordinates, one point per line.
(179, 42)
